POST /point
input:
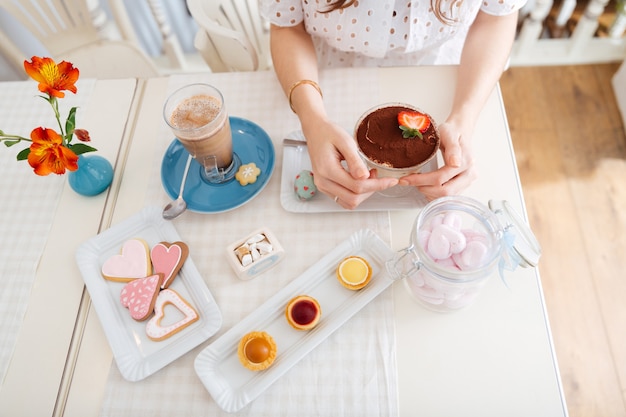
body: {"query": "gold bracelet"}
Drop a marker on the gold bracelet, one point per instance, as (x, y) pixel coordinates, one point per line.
(299, 83)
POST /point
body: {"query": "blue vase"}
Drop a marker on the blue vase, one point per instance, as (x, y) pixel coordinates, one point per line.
(93, 176)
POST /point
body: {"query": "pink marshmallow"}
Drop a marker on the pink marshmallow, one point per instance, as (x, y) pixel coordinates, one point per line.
(428, 294)
(456, 238)
(422, 238)
(438, 246)
(473, 257)
(434, 222)
(472, 235)
(448, 263)
(416, 280)
(453, 220)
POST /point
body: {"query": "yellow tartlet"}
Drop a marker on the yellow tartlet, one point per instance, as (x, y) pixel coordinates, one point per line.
(354, 272)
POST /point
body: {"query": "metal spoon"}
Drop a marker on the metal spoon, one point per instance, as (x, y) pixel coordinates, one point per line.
(177, 207)
(293, 142)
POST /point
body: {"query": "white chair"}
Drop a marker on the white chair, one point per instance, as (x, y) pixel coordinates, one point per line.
(65, 28)
(232, 35)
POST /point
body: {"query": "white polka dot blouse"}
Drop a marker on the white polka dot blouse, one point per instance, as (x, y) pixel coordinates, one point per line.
(385, 32)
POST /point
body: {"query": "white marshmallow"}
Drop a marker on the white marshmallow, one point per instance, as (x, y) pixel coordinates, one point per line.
(264, 247)
(246, 260)
(255, 239)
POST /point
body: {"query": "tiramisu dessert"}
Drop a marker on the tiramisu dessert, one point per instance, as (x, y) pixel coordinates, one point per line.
(397, 139)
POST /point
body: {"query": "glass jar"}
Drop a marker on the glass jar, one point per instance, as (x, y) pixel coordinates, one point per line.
(456, 244)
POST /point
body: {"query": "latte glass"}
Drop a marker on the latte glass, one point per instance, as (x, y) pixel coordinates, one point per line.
(197, 116)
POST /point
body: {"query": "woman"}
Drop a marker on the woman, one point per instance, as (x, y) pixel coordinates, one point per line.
(311, 34)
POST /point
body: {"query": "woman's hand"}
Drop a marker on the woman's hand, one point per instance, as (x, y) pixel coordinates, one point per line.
(458, 171)
(484, 56)
(329, 145)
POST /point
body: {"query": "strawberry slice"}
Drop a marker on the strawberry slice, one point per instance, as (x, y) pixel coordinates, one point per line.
(413, 123)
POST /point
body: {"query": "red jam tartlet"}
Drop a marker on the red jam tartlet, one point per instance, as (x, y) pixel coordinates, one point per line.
(257, 351)
(303, 312)
(354, 272)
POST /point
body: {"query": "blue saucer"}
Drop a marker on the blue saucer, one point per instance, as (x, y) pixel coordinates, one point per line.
(250, 142)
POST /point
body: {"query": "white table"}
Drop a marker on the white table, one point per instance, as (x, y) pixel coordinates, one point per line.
(495, 358)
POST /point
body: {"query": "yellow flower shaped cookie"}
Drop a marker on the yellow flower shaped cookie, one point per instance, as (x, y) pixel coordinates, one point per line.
(247, 174)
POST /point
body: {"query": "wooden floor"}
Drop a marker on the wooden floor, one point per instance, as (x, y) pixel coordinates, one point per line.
(571, 152)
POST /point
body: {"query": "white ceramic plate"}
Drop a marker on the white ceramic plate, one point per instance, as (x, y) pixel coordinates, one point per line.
(230, 384)
(295, 159)
(136, 355)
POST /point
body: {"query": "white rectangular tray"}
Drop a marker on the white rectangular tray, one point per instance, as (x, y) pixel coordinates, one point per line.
(230, 384)
(136, 355)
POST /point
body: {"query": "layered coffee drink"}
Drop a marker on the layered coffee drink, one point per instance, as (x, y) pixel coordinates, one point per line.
(197, 116)
(396, 139)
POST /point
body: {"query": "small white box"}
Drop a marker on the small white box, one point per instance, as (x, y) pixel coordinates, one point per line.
(255, 254)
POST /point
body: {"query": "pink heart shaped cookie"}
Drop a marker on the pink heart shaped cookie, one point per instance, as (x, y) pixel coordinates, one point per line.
(132, 263)
(167, 259)
(140, 295)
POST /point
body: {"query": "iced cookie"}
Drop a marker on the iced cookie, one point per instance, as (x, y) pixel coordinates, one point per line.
(167, 259)
(155, 330)
(139, 296)
(247, 174)
(133, 262)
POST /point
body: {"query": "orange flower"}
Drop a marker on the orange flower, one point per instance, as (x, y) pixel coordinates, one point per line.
(52, 78)
(51, 151)
(48, 155)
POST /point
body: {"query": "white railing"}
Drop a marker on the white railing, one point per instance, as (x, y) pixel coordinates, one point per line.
(534, 46)
(165, 31)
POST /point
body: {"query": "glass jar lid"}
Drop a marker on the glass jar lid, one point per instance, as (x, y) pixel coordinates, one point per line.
(520, 244)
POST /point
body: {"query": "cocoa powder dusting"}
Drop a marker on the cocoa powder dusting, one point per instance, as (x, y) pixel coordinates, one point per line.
(380, 138)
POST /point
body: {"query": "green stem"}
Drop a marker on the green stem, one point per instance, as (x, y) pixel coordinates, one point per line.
(13, 137)
(55, 107)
